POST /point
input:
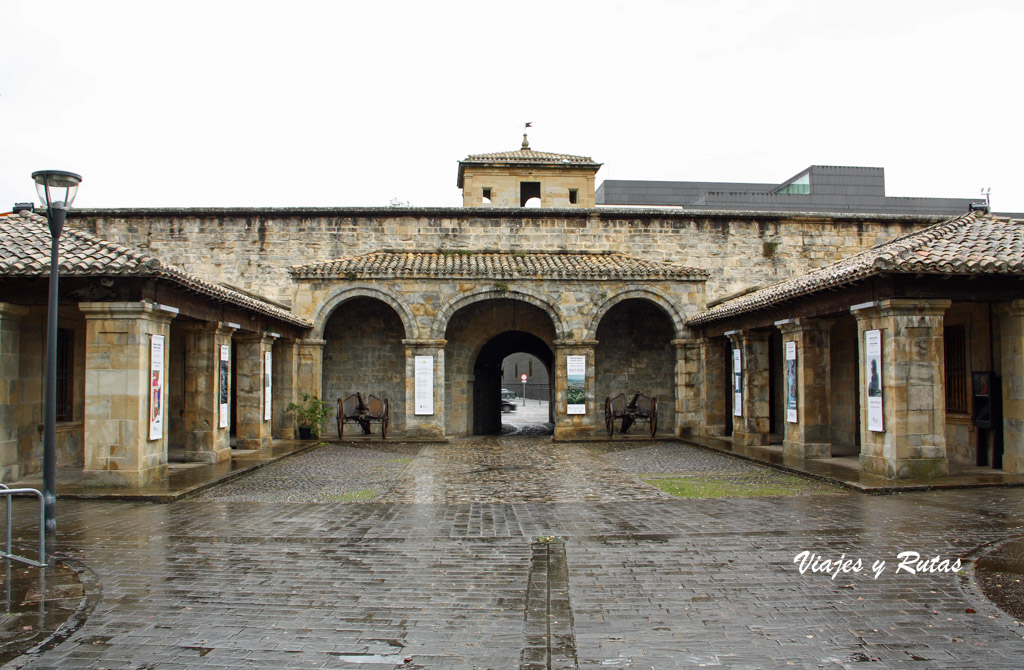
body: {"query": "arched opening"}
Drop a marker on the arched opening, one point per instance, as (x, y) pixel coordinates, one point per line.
(363, 352)
(634, 353)
(487, 374)
(480, 336)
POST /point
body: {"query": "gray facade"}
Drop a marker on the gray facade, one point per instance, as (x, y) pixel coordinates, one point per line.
(828, 189)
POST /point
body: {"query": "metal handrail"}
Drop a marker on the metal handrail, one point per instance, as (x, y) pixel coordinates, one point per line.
(8, 492)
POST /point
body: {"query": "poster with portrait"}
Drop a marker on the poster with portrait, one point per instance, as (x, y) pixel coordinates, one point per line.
(156, 387)
(791, 415)
(737, 383)
(576, 375)
(873, 375)
(225, 362)
(267, 387)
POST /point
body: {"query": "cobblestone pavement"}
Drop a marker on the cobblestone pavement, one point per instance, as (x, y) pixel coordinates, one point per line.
(520, 553)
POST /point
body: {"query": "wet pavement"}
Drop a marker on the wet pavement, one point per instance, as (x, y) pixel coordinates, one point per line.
(517, 552)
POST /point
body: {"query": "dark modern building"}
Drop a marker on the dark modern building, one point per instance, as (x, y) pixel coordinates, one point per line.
(819, 188)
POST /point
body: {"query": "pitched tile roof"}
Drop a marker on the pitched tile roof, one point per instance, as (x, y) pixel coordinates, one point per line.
(497, 265)
(25, 252)
(529, 156)
(973, 244)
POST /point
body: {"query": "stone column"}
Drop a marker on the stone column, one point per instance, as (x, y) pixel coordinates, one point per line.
(10, 388)
(118, 450)
(714, 383)
(913, 444)
(284, 374)
(576, 426)
(1011, 348)
(309, 367)
(424, 426)
(252, 430)
(810, 436)
(205, 440)
(753, 426)
(689, 382)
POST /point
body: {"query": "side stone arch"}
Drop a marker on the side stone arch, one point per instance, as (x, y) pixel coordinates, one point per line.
(440, 325)
(326, 308)
(659, 299)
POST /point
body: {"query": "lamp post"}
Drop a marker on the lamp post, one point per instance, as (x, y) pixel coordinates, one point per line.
(57, 190)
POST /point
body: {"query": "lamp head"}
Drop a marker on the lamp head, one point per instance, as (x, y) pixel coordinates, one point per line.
(56, 188)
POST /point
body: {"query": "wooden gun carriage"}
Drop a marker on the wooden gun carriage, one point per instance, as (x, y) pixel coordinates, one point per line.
(354, 410)
(639, 408)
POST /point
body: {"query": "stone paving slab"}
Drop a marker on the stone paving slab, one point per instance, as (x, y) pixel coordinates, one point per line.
(652, 581)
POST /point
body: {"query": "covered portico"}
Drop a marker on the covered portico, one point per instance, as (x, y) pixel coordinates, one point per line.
(154, 364)
(905, 356)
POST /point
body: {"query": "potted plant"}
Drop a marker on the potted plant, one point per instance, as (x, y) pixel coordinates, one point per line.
(310, 415)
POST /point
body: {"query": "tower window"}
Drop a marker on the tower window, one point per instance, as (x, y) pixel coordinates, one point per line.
(573, 196)
(529, 190)
(487, 195)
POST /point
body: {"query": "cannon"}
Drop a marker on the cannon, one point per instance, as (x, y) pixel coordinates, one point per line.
(638, 408)
(354, 410)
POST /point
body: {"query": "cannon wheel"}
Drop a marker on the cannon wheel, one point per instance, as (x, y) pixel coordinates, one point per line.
(341, 425)
(384, 419)
(654, 416)
(609, 417)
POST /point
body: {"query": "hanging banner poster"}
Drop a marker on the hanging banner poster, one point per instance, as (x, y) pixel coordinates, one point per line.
(266, 386)
(873, 373)
(225, 358)
(424, 379)
(576, 374)
(156, 387)
(791, 382)
(737, 383)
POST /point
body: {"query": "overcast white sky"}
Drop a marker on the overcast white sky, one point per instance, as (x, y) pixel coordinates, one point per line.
(303, 103)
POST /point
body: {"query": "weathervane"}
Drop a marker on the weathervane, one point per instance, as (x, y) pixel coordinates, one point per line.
(526, 143)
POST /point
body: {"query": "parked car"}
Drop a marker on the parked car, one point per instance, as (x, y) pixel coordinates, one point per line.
(507, 400)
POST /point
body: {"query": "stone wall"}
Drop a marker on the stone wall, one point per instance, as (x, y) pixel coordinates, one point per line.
(364, 353)
(253, 248)
(635, 353)
(844, 370)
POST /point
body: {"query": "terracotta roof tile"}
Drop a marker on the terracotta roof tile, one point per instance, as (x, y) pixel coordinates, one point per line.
(972, 244)
(528, 156)
(497, 265)
(25, 252)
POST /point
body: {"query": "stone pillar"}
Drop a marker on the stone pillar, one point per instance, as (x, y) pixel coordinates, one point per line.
(205, 440)
(424, 426)
(576, 426)
(713, 387)
(118, 450)
(913, 444)
(810, 436)
(309, 367)
(10, 389)
(753, 426)
(689, 382)
(284, 373)
(252, 430)
(1011, 348)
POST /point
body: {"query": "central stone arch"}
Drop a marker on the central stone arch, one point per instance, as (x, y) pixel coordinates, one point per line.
(480, 332)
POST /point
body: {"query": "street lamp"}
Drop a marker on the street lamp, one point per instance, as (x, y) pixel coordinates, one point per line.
(57, 190)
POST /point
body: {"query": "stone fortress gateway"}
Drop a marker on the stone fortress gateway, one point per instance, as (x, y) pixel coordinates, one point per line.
(353, 299)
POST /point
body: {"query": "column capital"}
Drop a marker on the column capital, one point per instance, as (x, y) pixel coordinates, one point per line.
(311, 343)
(250, 336)
(413, 343)
(12, 310)
(901, 306)
(1010, 308)
(126, 310)
(568, 344)
(803, 323)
